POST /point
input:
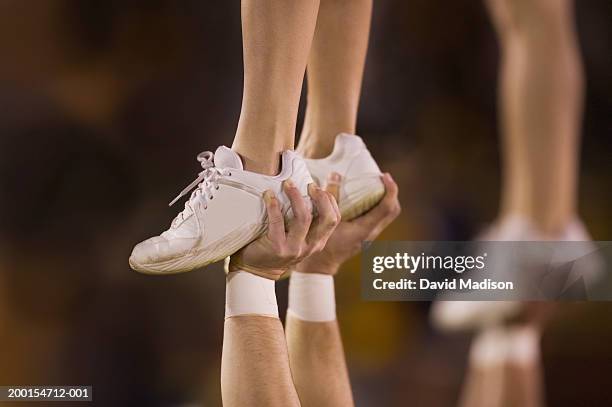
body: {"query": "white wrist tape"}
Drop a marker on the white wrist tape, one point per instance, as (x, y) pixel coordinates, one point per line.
(312, 297)
(248, 294)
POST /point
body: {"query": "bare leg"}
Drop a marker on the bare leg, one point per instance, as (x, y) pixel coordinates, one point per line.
(335, 71)
(541, 96)
(277, 36)
(524, 378)
(484, 380)
(524, 385)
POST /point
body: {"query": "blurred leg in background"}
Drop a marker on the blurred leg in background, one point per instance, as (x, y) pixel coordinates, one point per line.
(335, 72)
(541, 88)
(505, 368)
(540, 97)
(277, 36)
(523, 373)
(484, 380)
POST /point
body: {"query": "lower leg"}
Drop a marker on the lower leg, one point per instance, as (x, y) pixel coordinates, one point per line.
(524, 381)
(277, 36)
(484, 379)
(335, 71)
(541, 91)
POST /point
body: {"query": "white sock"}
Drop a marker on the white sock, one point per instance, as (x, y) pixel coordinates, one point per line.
(524, 345)
(312, 297)
(248, 294)
(490, 347)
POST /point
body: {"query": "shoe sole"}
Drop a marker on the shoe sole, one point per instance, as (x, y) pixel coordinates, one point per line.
(212, 254)
(359, 203)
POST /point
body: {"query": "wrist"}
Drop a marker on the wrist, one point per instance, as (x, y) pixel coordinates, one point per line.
(312, 297)
(313, 266)
(235, 264)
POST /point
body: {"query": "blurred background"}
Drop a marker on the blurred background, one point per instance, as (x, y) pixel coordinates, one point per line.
(104, 105)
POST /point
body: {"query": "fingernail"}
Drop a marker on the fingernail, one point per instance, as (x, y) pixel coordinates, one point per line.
(289, 183)
(312, 188)
(334, 177)
(268, 196)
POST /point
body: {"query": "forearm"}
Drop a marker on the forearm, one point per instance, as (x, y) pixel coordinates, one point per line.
(315, 347)
(317, 362)
(254, 364)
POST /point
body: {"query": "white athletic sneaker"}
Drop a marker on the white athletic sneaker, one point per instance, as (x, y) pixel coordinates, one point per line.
(467, 315)
(225, 212)
(361, 186)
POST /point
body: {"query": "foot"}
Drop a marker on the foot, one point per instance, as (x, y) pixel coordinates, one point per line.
(361, 187)
(224, 213)
(469, 315)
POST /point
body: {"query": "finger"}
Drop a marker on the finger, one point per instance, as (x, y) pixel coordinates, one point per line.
(387, 209)
(333, 185)
(378, 229)
(326, 221)
(338, 216)
(334, 203)
(333, 188)
(302, 215)
(276, 221)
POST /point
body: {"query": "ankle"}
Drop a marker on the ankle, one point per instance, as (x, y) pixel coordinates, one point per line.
(257, 160)
(314, 146)
(320, 130)
(315, 151)
(261, 166)
(552, 227)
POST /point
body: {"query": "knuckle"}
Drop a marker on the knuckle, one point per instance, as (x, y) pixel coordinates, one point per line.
(334, 219)
(392, 208)
(292, 252)
(275, 219)
(286, 254)
(278, 247)
(330, 221)
(307, 252)
(305, 218)
(282, 254)
(397, 209)
(318, 247)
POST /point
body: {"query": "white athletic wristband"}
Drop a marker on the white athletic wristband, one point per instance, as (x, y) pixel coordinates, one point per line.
(248, 294)
(312, 297)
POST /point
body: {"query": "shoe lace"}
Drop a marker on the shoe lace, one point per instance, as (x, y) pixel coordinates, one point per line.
(206, 182)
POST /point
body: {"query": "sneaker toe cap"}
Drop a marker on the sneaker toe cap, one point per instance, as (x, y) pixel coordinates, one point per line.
(158, 249)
